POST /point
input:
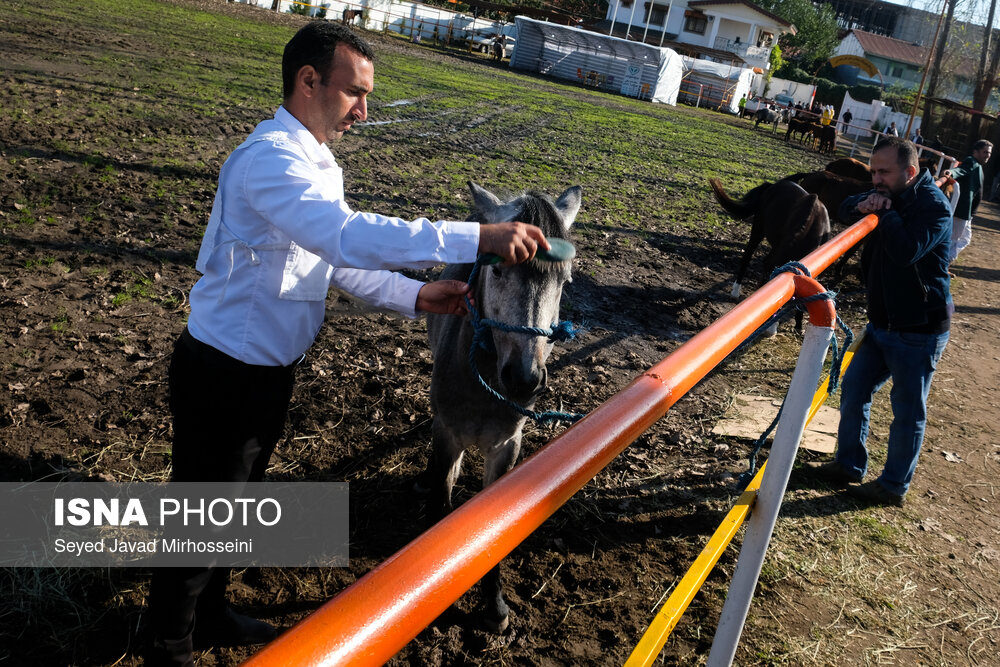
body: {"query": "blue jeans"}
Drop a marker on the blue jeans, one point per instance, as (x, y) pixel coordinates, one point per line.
(909, 359)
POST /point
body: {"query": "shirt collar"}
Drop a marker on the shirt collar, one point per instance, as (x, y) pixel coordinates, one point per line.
(315, 151)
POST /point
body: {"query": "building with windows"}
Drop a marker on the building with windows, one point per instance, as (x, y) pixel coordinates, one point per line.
(900, 63)
(733, 32)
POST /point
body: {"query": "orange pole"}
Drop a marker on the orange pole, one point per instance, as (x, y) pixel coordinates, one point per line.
(371, 620)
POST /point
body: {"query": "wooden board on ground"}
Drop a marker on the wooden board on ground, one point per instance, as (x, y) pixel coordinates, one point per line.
(749, 415)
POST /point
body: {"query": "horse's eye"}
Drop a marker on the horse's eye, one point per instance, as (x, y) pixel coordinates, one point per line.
(497, 272)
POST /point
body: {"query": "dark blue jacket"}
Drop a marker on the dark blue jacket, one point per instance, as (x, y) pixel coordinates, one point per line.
(906, 258)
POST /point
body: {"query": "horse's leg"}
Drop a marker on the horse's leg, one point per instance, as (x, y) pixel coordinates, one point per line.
(443, 469)
(756, 236)
(496, 614)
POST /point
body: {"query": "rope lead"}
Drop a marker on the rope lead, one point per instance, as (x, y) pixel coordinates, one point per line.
(558, 332)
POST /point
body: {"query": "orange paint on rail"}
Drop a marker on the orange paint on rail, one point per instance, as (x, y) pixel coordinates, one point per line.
(375, 617)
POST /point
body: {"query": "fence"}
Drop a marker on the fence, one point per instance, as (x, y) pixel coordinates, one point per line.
(411, 19)
(371, 620)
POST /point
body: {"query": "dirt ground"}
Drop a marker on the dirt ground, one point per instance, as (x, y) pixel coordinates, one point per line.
(94, 294)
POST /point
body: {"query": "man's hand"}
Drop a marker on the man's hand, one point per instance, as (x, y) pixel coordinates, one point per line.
(513, 242)
(445, 297)
(874, 203)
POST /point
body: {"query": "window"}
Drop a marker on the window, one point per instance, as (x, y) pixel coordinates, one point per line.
(655, 14)
(897, 72)
(695, 22)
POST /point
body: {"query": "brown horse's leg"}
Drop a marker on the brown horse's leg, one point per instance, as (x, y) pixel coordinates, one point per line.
(756, 236)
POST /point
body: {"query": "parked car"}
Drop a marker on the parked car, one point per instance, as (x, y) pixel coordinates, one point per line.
(484, 42)
(754, 103)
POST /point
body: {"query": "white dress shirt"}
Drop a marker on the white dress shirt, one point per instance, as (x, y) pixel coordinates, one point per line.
(280, 234)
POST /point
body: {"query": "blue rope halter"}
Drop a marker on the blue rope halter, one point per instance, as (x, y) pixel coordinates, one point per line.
(561, 331)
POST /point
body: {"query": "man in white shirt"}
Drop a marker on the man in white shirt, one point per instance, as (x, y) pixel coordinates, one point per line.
(279, 235)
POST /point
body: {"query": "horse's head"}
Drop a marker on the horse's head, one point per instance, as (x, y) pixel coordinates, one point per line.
(525, 294)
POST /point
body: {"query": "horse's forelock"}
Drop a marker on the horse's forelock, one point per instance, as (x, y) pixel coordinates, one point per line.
(538, 209)
(532, 208)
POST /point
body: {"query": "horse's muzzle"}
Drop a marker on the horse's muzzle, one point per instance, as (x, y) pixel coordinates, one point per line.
(522, 385)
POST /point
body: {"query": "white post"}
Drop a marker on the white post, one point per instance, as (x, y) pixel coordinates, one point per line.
(772, 487)
(611, 32)
(645, 19)
(666, 20)
(713, 33)
(628, 32)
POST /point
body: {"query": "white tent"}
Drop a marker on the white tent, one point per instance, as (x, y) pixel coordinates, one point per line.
(718, 86)
(609, 63)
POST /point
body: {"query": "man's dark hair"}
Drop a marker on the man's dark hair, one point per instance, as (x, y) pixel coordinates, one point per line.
(981, 144)
(314, 45)
(906, 152)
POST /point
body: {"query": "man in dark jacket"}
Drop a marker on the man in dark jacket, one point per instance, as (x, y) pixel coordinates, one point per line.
(969, 176)
(909, 316)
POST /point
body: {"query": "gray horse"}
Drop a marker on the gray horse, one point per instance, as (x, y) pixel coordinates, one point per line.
(466, 416)
(769, 116)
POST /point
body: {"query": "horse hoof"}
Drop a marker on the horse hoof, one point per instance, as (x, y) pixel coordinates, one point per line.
(736, 290)
(772, 330)
(497, 626)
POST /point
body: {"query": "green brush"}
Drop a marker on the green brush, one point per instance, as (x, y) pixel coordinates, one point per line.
(560, 250)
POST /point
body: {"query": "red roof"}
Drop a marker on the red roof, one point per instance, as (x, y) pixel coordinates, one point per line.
(746, 3)
(891, 49)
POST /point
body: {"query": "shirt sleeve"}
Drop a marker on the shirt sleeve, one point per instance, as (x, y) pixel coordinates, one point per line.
(381, 289)
(291, 194)
(849, 207)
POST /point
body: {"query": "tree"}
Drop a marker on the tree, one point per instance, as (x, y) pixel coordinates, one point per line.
(816, 36)
(939, 51)
(775, 61)
(986, 75)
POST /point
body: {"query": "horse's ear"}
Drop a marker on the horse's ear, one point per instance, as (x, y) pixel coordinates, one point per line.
(569, 204)
(482, 199)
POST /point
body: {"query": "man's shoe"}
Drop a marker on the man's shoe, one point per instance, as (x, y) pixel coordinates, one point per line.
(232, 629)
(170, 652)
(874, 493)
(832, 472)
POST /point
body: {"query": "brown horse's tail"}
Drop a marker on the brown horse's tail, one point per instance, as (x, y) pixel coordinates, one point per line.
(743, 208)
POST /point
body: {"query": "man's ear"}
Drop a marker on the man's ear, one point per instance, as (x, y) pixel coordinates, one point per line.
(307, 79)
(912, 171)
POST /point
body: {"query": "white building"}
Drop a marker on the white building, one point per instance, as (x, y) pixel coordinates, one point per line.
(736, 32)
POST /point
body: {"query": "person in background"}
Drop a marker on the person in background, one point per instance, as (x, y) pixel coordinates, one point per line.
(918, 138)
(969, 176)
(280, 234)
(847, 117)
(499, 45)
(826, 117)
(891, 130)
(742, 106)
(905, 262)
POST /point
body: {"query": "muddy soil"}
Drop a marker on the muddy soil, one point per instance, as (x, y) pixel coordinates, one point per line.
(94, 294)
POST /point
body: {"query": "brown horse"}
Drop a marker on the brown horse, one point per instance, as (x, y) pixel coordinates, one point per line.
(850, 168)
(827, 139)
(793, 221)
(803, 127)
(831, 189)
(349, 15)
